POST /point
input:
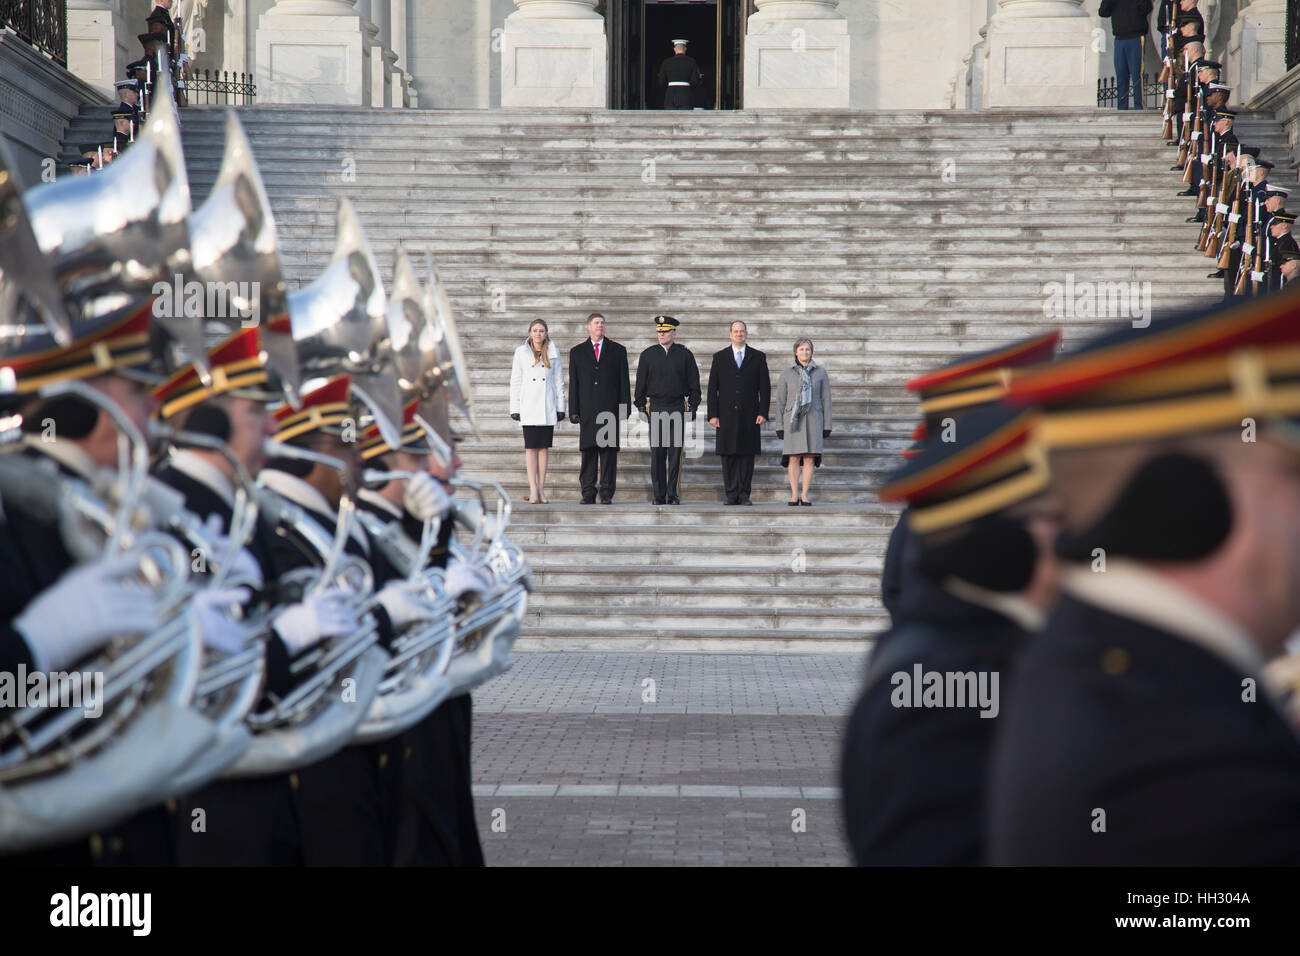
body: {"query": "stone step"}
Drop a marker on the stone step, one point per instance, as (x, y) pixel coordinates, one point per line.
(649, 637)
(648, 598)
(760, 535)
(794, 622)
(578, 574)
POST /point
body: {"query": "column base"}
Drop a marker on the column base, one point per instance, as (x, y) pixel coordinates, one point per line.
(92, 48)
(796, 63)
(547, 61)
(1257, 49)
(319, 60)
(1040, 61)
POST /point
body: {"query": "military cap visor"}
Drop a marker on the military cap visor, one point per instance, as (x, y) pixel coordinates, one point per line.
(1273, 190)
(1263, 163)
(993, 464)
(1198, 371)
(975, 379)
(324, 409)
(1208, 64)
(1282, 216)
(665, 323)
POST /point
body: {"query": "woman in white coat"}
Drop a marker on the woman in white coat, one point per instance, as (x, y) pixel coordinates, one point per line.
(537, 399)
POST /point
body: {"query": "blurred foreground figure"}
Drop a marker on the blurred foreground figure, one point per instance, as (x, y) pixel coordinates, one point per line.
(917, 746)
(1140, 732)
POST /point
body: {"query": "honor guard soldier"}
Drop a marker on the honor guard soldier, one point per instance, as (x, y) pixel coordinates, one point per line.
(914, 770)
(668, 394)
(1282, 242)
(1140, 732)
(129, 94)
(947, 395)
(436, 825)
(123, 129)
(679, 75)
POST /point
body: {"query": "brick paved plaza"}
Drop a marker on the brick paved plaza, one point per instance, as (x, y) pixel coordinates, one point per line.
(579, 759)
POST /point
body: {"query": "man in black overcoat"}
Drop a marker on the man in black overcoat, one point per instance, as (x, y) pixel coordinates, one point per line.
(600, 394)
(738, 402)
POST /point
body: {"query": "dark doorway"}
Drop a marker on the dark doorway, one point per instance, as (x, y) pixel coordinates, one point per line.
(640, 39)
(696, 22)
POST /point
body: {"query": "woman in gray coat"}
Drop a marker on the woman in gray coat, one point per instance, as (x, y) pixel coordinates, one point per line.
(803, 400)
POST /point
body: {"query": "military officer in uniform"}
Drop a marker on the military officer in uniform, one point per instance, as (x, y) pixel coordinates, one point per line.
(679, 75)
(1140, 733)
(913, 775)
(739, 398)
(668, 394)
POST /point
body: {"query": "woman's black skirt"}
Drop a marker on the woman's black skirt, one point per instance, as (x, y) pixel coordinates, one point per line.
(538, 436)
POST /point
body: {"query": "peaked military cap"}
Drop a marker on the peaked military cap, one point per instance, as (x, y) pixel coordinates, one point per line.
(992, 464)
(413, 440)
(238, 367)
(1263, 163)
(665, 323)
(1282, 216)
(1204, 64)
(323, 409)
(1274, 190)
(976, 379)
(1197, 371)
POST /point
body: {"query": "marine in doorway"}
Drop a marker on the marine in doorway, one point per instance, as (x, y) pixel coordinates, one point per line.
(680, 77)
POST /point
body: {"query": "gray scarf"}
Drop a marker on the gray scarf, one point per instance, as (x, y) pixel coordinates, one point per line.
(805, 393)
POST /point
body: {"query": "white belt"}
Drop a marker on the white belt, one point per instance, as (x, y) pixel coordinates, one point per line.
(1220, 208)
(679, 83)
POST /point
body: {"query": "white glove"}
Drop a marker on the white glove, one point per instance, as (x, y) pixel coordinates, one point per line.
(404, 602)
(83, 610)
(461, 578)
(246, 569)
(426, 498)
(220, 632)
(325, 614)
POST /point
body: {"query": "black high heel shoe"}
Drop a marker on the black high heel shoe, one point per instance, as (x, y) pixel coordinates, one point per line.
(805, 502)
(793, 502)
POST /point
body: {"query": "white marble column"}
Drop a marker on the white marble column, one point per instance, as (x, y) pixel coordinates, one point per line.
(401, 80)
(796, 55)
(1040, 53)
(313, 51)
(376, 67)
(92, 43)
(1256, 47)
(554, 53)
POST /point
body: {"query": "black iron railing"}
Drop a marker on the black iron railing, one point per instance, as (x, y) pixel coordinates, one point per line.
(42, 23)
(219, 88)
(1292, 33)
(1152, 91)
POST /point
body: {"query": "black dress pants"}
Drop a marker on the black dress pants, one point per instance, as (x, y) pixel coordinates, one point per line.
(607, 459)
(737, 475)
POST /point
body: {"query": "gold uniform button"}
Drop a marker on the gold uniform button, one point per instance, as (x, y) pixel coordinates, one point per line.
(383, 761)
(1115, 661)
(171, 806)
(96, 846)
(293, 781)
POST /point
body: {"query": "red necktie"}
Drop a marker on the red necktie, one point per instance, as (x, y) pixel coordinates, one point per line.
(597, 345)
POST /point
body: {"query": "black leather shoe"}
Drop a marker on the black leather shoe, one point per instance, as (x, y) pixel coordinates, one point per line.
(659, 501)
(728, 503)
(672, 500)
(1193, 219)
(805, 502)
(1215, 275)
(1188, 192)
(588, 501)
(1175, 169)
(606, 501)
(745, 502)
